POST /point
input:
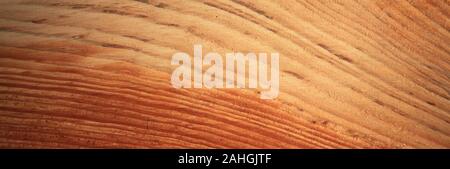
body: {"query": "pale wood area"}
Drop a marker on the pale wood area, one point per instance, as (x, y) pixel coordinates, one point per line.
(96, 73)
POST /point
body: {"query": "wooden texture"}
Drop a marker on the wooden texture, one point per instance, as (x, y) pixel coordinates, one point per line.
(96, 73)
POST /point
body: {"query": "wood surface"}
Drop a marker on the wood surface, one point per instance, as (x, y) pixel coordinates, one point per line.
(96, 73)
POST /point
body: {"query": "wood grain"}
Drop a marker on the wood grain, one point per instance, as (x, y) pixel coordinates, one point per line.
(96, 73)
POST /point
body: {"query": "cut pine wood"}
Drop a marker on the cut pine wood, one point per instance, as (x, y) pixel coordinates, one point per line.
(96, 73)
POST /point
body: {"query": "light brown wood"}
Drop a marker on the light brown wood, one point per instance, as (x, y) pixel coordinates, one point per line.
(96, 73)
